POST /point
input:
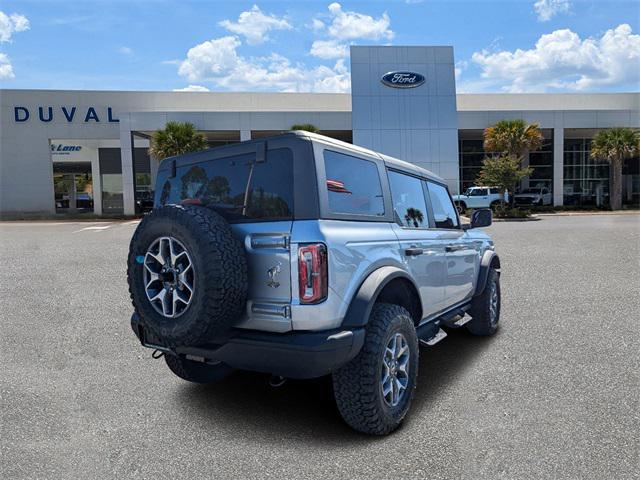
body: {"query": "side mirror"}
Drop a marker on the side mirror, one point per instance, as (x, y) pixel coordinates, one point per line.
(481, 218)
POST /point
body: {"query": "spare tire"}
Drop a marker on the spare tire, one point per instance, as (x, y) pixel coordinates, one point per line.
(187, 274)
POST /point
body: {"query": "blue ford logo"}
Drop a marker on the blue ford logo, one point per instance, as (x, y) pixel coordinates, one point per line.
(402, 79)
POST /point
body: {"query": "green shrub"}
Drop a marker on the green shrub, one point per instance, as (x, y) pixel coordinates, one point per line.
(511, 212)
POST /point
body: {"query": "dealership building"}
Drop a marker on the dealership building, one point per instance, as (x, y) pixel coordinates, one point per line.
(87, 151)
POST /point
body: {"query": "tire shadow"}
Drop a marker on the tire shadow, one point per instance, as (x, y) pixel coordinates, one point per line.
(305, 409)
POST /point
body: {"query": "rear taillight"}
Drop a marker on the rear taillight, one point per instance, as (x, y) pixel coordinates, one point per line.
(312, 272)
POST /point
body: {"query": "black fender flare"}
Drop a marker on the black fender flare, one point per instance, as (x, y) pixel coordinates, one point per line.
(489, 260)
(362, 302)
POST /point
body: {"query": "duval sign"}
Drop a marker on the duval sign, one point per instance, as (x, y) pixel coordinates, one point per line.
(402, 79)
(46, 114)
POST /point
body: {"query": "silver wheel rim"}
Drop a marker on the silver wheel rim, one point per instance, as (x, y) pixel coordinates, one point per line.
(395, 370)
(493, 305)
(169, 280)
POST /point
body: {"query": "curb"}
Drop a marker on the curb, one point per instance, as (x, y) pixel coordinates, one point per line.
(576, 214)
(532, 218)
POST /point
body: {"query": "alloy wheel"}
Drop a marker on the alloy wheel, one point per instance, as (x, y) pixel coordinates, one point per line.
(169, 280)
(395, 370)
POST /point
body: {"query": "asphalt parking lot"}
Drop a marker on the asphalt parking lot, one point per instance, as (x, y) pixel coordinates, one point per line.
(555, 394)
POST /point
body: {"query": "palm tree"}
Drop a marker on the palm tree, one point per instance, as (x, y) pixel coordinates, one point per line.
(176, 138)
(414, 216)
(515, 138)
(307, 127)
(615, 145)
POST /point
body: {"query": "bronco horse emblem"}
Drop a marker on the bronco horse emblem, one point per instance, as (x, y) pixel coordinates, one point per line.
(273, 273)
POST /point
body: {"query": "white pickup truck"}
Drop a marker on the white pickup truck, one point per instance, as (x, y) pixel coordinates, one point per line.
(479, 197)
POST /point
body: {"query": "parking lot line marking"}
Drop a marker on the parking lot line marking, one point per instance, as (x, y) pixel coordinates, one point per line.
(103, 227)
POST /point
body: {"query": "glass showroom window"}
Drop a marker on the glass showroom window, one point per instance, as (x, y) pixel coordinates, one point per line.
(631, 182)
(471, 156)
(586, 181)
(144, 185)
(111, 177)
(542, 163)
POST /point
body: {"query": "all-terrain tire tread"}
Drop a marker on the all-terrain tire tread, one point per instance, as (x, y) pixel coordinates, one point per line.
(480, 323)
(222, 259)
(356, 384)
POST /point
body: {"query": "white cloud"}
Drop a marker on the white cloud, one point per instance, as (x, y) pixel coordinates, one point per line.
(218, 62)
(329, 49)
(192, 88)
(10, 24)
(460, 66)
(125, 51)
(547, 9)
(6, 70)
(347, 25)
(562, 60)
(210, 58)
(254, 25)
(317, 25)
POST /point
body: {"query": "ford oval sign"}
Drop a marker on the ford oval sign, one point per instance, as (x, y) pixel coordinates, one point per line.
(402, 79)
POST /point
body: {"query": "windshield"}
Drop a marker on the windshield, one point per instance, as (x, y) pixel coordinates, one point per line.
(535, 191)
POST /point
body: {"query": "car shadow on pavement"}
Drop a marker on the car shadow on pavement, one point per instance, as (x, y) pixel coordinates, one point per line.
(305, 409)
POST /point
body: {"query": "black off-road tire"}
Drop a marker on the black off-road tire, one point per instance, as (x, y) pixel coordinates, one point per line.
(197, 372)
(220, 274)
(483, 322)
(461, 207)
(357, 387)
(494, 205)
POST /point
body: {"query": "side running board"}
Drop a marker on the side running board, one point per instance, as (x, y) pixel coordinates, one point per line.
(463, 320)
(435, 339)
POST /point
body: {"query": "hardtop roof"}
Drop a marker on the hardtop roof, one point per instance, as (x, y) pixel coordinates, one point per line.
(388, 160)
(315, 137)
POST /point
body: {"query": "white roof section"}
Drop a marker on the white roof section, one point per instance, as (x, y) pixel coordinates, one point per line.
(308, 102)
(141, 101)
(547, 101)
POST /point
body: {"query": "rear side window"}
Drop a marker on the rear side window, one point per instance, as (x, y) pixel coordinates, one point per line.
(495, 191)
(444, 213)
(353, 185)
(407, 195)
(238, 187)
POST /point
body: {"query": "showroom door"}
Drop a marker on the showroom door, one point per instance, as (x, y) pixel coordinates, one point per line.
(73, 187)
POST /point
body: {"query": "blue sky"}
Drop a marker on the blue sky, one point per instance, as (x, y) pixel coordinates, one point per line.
(505, 46)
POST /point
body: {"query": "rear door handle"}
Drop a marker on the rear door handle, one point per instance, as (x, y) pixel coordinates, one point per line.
(413, 251)
(454, 247)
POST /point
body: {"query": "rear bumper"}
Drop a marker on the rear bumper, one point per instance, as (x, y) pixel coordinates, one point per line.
(292, 355)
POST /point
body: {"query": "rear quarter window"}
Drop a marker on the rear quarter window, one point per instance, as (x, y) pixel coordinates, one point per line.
(237, 187)
(353, 185)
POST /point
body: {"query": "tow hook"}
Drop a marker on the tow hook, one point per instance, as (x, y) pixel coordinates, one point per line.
(277, 381)
(157, 354)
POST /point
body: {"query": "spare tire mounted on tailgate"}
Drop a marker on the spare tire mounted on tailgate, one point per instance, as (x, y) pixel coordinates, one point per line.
(187, 274)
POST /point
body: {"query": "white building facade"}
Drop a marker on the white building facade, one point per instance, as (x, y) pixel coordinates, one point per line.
(87, 151)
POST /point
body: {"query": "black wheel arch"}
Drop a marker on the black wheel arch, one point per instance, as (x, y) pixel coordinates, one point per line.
(387, 284)
(489, 260)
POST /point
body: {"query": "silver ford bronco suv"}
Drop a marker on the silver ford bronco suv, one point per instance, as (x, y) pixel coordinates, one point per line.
(302, 256)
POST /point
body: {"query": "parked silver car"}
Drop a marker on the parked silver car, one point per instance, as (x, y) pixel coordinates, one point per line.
(302, 256)
(534, 196)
